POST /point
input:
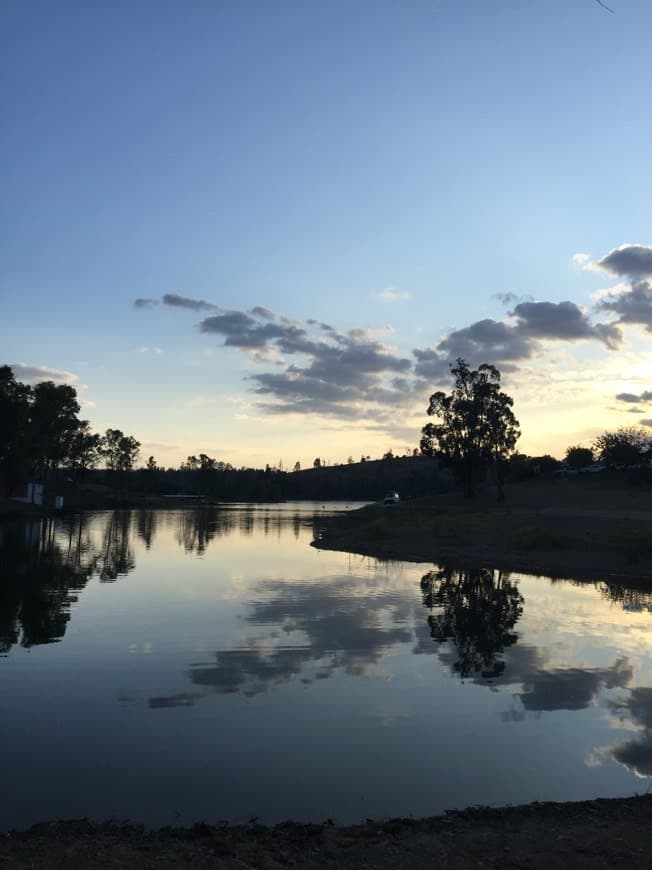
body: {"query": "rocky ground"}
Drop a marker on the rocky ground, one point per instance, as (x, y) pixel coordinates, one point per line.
(591, 834)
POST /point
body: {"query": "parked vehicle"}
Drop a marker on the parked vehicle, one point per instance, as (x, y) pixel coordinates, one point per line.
(391, 498)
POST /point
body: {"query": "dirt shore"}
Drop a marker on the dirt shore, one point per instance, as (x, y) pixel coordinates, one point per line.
(581, 529)
(590, 834)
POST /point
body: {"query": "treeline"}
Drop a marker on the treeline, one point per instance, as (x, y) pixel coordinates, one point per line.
(40, 433)
(42, 439)
(367, 481)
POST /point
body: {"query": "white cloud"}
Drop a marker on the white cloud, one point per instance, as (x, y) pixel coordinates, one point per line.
(585, 262)
(34, 374)
(391, 294)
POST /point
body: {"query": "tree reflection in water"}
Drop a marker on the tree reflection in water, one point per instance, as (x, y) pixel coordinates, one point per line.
(475, 609)
(44, 563)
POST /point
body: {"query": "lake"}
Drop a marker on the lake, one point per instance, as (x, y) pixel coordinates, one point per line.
(165, 667)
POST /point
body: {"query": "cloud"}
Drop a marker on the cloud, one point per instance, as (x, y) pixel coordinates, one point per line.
(632, 306)
(645, 396)
(391, 294)
(489, 339)
(149, 350)
(31, 374)
(563, 320)
(173, 300)
(343, 374)
(355, 375)
(583, 261)
(507, 342)
(265, 313)
(634, 261)
(646, 421)
(245, 332)
(506, 298)
(145, 303)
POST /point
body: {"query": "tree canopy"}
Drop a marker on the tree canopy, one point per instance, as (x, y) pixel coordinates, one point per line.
(578, 457)
(40, 431)
(476, 429)
(629, 445)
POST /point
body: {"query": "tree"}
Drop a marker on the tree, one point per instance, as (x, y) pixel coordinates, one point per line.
(15, 402)
(151, 464)
(85, 448)
(578, 457)
(317, 463)
(629, 445)
(120, 451)
(53, 424)
(477, 429)
(297, 466)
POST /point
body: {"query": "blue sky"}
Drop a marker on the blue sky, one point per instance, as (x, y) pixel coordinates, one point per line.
(389, 170)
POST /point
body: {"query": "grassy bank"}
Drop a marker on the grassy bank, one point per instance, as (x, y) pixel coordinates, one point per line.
(589, 526)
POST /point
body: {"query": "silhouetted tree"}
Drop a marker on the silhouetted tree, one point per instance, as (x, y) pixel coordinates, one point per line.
(120, 451)
(578, 457)
(477, 428)
(15, 400)
(85, 449)
(53, 424)
(629, 445)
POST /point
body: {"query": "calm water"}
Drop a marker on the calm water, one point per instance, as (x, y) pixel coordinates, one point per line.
(165, 667)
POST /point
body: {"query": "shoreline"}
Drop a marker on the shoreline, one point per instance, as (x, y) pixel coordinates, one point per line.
(579, 533)
(596, 833)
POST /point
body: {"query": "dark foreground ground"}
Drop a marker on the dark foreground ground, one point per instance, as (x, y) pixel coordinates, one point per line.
(601, 833)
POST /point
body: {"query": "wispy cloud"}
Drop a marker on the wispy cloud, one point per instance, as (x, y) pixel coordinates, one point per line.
(391, 294)
(174, 300)
(645, 396)
(354, 375)
(145, 303)
(155, 350)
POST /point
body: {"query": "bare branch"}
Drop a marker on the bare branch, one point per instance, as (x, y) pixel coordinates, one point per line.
(604, 6)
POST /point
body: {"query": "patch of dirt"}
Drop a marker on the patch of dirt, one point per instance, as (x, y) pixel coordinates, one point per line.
(549, 836)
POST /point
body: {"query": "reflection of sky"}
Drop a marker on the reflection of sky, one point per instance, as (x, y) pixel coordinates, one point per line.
(223, 671)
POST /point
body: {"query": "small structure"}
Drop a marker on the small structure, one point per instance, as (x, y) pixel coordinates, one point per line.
(33, 494)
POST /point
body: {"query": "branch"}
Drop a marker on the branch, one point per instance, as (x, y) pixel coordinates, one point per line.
(604, 6)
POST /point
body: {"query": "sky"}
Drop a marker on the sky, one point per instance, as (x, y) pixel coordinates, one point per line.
(263, 231)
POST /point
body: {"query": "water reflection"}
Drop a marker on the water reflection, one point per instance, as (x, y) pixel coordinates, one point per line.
(44, 562)
(476, 610)
(42, 565)
(318, 629)
(386, 654)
